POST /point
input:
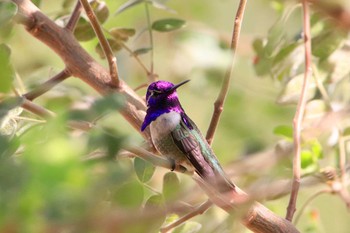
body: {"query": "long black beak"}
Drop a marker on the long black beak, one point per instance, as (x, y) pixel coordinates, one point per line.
(178, 85)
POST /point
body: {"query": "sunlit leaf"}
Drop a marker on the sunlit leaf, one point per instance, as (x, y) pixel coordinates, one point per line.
(310, 156)
(171, 185)
(340, 63)
(166, 25)
(144, 170)
(284, 130)
(128, 5)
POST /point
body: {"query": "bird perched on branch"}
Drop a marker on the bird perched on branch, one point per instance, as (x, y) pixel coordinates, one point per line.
(177, 137)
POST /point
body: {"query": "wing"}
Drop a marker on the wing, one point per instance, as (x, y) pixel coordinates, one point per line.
(187, 143)
(190, 141)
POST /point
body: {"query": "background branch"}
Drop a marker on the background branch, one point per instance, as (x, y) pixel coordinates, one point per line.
(48, 85)
(298, 118)
(219, 103)
(73, 20)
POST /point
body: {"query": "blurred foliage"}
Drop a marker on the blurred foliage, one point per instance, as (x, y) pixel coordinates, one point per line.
(54, 178)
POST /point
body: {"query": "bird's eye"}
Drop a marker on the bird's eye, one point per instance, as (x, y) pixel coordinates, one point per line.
(156, 93)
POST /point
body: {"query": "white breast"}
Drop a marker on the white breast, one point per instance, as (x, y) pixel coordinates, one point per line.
(164, 124)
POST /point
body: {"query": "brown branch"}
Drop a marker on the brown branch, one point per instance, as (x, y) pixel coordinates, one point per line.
(112, 60)
(73, 20)
(48, 85)
(297, 121)
(219, 103)
(80, 64)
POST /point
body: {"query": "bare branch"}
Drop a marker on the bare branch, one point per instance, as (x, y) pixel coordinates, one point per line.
(219, 103)
(298, 118)
(112, 60)
(48, 85)
(73, 20)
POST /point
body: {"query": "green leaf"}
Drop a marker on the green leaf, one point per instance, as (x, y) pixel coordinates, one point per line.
(116, 46)
(171, 186)
(327, 42)
(128, 5)
(144, 170)
(141, 51)
(310, 156)
(166, 25)
(83, 31)
(129, 195)
(122, 34)
(7, 11)
(7, 72)
(284, 130)
(154, 201)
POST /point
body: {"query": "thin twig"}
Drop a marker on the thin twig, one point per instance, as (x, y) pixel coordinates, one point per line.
(73, 20)
(36, 109)
(307, 202)
(48, 85)
(297, 121)
(219, 103)
(112, 60)
(200, 210)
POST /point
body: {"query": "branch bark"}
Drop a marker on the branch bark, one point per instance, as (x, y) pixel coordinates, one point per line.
(80, 64)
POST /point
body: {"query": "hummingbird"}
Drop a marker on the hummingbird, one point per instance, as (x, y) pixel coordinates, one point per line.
(177, 137)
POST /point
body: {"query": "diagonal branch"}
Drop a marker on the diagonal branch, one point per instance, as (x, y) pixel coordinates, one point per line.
(219, 103)
(48, 85)
(112, 60)
(297, 121)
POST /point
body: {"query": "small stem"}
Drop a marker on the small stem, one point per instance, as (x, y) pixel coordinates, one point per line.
(48, 85)
(112, 60)
(200, 210)
(297, 121)
(149, 27)
(73, 20)
(307, 202)
(219, 103)
(148, 72)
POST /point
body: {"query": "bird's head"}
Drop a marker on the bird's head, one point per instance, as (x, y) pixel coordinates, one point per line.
(162, 93)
